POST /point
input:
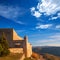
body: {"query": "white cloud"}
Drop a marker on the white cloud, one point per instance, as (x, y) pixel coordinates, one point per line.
(49, 40)
(54, 44)
(32, 9)
(55, 37)
(48, 7)
(55, 17)
(43, 26)
(19, 22)
(53, 40)
(35, 13)
(58, 14)
(11, 13)
(58, 26)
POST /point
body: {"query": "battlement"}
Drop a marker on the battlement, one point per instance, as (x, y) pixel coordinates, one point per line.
(17, 44)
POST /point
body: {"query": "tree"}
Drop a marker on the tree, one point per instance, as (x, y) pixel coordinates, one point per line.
(1, 49)
(4, 45)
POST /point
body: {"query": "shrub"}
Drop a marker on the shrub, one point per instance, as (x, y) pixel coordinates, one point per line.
(4, 48)
(35, 55)
(1, 49)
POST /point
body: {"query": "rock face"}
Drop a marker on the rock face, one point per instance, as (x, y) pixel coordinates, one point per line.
(16, 43)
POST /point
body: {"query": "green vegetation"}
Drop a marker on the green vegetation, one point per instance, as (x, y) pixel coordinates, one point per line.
(4, 48)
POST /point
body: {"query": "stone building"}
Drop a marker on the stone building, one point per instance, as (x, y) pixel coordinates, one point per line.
(16, 43)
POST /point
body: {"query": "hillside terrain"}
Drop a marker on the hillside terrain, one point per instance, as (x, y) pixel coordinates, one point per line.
(46, 56)
(39, 53)
(50, 57)
(48, 53)
(50, 50)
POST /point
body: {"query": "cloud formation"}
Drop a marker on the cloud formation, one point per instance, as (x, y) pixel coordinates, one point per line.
(19, 22)
(54, 44)
(11, 12)
(52, 40)
(55, 17)
(57, 26)
(8, 11)
(35, 13)
(45, 26)
(47, 7)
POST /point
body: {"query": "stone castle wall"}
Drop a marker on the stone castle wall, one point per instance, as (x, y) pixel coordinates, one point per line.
(16, 50)
(16, 37)
(29, 50)
(16, 43)
(27, 47)
(8, 34)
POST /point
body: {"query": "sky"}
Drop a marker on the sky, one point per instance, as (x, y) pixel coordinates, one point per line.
(38, 19)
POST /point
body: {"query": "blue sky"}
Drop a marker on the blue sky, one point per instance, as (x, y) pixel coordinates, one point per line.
(38, 19)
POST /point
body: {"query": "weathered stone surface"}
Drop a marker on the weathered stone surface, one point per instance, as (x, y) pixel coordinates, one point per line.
(16, 50)
(16, 37)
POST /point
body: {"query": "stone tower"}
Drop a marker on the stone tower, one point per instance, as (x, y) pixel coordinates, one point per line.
(26, 38)
(27, 47)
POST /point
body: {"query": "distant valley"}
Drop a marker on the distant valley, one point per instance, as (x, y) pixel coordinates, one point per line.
(47, 52)
(47, 49)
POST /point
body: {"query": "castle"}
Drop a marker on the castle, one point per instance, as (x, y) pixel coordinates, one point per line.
(16, 43)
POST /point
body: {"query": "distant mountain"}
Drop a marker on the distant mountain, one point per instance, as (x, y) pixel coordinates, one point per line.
(47, 49)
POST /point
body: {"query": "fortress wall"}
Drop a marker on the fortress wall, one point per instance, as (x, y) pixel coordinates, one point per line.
(15, 41)
(15, 36)
(29, 50)
(8, 34)
(16, 50)
(18, 43)
(27, 47)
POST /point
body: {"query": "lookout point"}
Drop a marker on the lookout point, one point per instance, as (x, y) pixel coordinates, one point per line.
(16, 43)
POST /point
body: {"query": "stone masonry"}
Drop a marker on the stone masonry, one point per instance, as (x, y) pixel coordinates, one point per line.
(16, 43)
